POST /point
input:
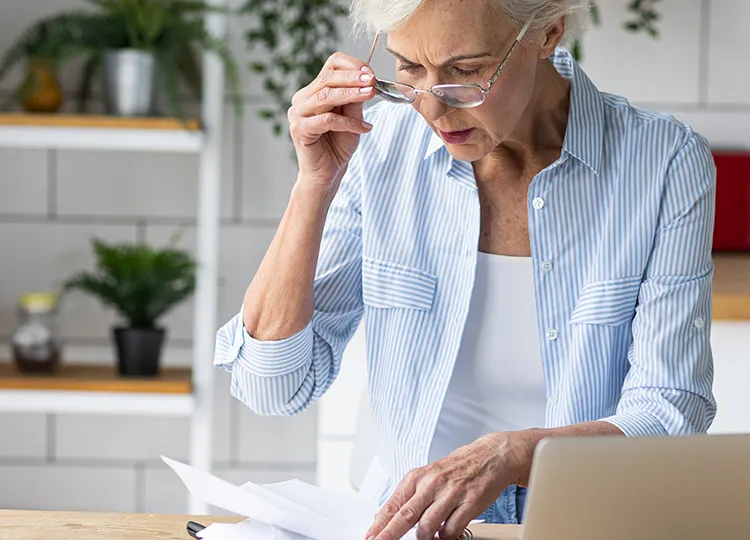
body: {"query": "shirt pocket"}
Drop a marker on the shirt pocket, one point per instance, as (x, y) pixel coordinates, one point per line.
(387, 284)
(611, 302)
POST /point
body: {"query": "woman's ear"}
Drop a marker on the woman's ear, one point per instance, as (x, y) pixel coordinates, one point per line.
(552, 38)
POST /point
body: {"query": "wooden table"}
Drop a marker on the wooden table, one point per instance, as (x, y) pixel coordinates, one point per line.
(731, 287)
(29, 525)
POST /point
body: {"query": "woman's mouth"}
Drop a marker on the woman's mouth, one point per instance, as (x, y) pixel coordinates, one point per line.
(456, 137)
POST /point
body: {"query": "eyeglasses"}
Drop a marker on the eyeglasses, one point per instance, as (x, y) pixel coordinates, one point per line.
(458, 96)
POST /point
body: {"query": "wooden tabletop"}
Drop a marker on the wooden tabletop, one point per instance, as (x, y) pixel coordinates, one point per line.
(731, 287)
(31, 525)
(98, 379)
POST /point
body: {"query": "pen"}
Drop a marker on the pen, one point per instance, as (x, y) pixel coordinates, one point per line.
(193, 528)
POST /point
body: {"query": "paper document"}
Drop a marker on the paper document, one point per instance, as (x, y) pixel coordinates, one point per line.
(290, 510)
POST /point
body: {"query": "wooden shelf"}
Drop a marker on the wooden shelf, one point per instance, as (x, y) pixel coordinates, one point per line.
(94, 132)
(731, 287)
(96, 379)
(96, 121)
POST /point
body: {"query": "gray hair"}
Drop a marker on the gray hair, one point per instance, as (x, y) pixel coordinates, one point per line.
(374, 16)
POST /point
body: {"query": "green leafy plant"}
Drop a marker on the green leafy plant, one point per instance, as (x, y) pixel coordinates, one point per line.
(173, 30)
(140, 282)
(297, 36)
(52, 40)
(645, 19)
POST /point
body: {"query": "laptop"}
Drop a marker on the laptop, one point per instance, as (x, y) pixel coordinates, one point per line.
(653, 488)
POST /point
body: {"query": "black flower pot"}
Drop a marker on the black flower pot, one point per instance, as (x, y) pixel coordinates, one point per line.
(138, 350)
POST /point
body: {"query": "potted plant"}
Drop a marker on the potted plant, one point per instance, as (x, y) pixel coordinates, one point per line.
(44, 46)
(142, 284)
(138, 46)
(143, 45)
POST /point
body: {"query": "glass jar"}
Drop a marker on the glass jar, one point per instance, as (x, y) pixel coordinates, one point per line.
(36, 348)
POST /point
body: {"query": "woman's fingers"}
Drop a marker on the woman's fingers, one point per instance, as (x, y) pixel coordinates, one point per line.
(403, 494)
(315, 126)
(407, 517)
(343, 78)
(329, 98)
(438, 513)
(340, 70)
(460, 518)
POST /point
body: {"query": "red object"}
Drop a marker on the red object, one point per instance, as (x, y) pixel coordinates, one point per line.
(732, 225)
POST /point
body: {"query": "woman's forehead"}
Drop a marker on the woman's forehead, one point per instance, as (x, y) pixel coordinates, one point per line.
(454, 27)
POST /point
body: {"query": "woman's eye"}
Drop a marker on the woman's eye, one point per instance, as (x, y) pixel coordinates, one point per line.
(467, 72)
(410, 68)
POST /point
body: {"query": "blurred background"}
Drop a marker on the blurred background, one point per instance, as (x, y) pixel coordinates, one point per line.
(140, 187)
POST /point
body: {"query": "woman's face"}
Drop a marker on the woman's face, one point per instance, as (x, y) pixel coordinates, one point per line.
(455, 41)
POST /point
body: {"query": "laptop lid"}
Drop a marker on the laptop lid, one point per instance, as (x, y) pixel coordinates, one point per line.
(660, 488)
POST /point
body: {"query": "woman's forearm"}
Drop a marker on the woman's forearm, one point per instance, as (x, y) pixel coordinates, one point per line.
(523, 443)
(279, 301)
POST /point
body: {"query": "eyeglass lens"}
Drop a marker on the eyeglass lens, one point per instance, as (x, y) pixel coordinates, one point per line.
(398, 93)
(458, 95)
(453, 95)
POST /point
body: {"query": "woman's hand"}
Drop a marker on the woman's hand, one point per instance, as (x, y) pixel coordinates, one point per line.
(326, 119)
(444, 496)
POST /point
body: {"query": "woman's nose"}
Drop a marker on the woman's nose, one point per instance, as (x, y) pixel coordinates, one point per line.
(430, 107)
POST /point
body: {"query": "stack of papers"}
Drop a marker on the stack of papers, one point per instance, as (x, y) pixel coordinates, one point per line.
(291, 510)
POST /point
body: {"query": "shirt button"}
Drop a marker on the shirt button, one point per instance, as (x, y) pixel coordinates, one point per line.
(547, 266)
(699, 323)
(538, 203)
(551, 334)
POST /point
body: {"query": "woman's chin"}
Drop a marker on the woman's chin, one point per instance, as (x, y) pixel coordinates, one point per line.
(466, 152)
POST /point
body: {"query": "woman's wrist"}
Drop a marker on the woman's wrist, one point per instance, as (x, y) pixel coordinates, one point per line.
(517, 449)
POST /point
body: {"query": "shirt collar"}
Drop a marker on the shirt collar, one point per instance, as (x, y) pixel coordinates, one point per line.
(585, 132)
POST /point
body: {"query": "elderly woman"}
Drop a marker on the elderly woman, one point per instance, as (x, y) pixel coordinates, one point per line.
(531, 258)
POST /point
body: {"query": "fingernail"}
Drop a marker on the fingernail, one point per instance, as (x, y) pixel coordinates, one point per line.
(369, 70)
(366, 89)
(366, 77)
(367, 125)
(371, 537)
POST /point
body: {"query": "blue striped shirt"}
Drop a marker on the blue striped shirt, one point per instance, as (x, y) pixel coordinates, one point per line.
(620, 226)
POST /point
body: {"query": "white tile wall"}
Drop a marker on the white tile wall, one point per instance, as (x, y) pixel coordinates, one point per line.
(127, 438)
(729, 78)
(339, 408)
(23, 181)
(137, 184)
(127, 184)
(269, 170)
(723, 129)
(731, 343)
(270, 439)
(25, 435)
(40, 256)
(68, 487)
(621, 62)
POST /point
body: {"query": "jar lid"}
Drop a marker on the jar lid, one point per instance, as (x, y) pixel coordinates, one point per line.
(38, 301)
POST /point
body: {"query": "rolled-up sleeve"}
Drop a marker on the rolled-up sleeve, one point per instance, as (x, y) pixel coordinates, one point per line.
(668, 389)
(285, 377)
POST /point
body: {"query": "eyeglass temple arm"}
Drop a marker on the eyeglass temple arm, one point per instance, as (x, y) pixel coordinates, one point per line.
(372, 49)
(521, 34)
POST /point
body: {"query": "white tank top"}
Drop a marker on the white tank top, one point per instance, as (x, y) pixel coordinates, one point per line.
(497, 382)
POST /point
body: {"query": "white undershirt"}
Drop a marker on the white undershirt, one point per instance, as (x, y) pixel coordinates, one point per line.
(498, 382)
